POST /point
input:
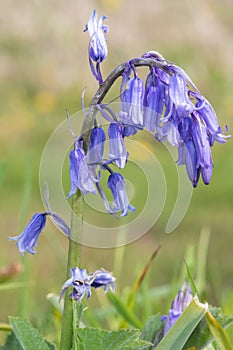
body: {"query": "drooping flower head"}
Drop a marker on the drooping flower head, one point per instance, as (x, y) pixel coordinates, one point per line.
(179, 304)
(183, 117)
(28, 239)
(120, 198)
(98, 49)
(81, 282)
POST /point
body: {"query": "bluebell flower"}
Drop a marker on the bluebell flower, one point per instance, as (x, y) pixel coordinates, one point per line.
(120, 198)
(208, 116)
(178, 93)
(132, 102)
(80, 175)
(154, 100)
(179, 304)
(98, 49)
(187, 155)
(96, 146)
(28, 239)
(81, 283)
(118, 151)
(104, 279)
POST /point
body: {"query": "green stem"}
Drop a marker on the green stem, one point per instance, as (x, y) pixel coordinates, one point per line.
(73, 261)
(77, 200)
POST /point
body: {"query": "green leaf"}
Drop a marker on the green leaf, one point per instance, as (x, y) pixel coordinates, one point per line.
(184, 326)
(11, 343)
(124, 310)
(50, 345)
(27, 335)
(202, 335)
(218, 332)
(152, 327)
(97, 339)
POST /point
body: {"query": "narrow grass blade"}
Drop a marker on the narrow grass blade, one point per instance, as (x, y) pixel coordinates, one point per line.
(218, 332)
(124, 310)
(184, 326)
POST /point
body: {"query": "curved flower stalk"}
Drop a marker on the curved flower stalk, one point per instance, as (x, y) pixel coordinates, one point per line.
(168, 104)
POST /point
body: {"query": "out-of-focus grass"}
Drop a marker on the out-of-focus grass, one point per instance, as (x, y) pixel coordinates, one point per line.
(43, 70)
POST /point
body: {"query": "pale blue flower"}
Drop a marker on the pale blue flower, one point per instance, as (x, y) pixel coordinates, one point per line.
(96, 146)
(132, 103)
(118, 151)
(81, 282)
(120, 198)
(98, 49)
(103, 279)
(81, 176)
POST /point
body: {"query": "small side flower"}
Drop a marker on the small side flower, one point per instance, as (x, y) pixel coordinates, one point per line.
(81, 282)
(103, 279)
(179, 304)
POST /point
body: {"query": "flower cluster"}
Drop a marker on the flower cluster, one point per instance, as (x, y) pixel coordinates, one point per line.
(179, 304)
(81, 282)
(167, 104)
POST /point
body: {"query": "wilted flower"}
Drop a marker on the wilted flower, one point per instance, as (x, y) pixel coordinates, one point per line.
(98, 49)
(27, 240)
(81, 282)
(80, 175)
(179, 304)
(118, 151)
(120, 198)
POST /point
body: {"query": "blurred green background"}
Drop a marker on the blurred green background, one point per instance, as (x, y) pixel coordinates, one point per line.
(43, 70)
